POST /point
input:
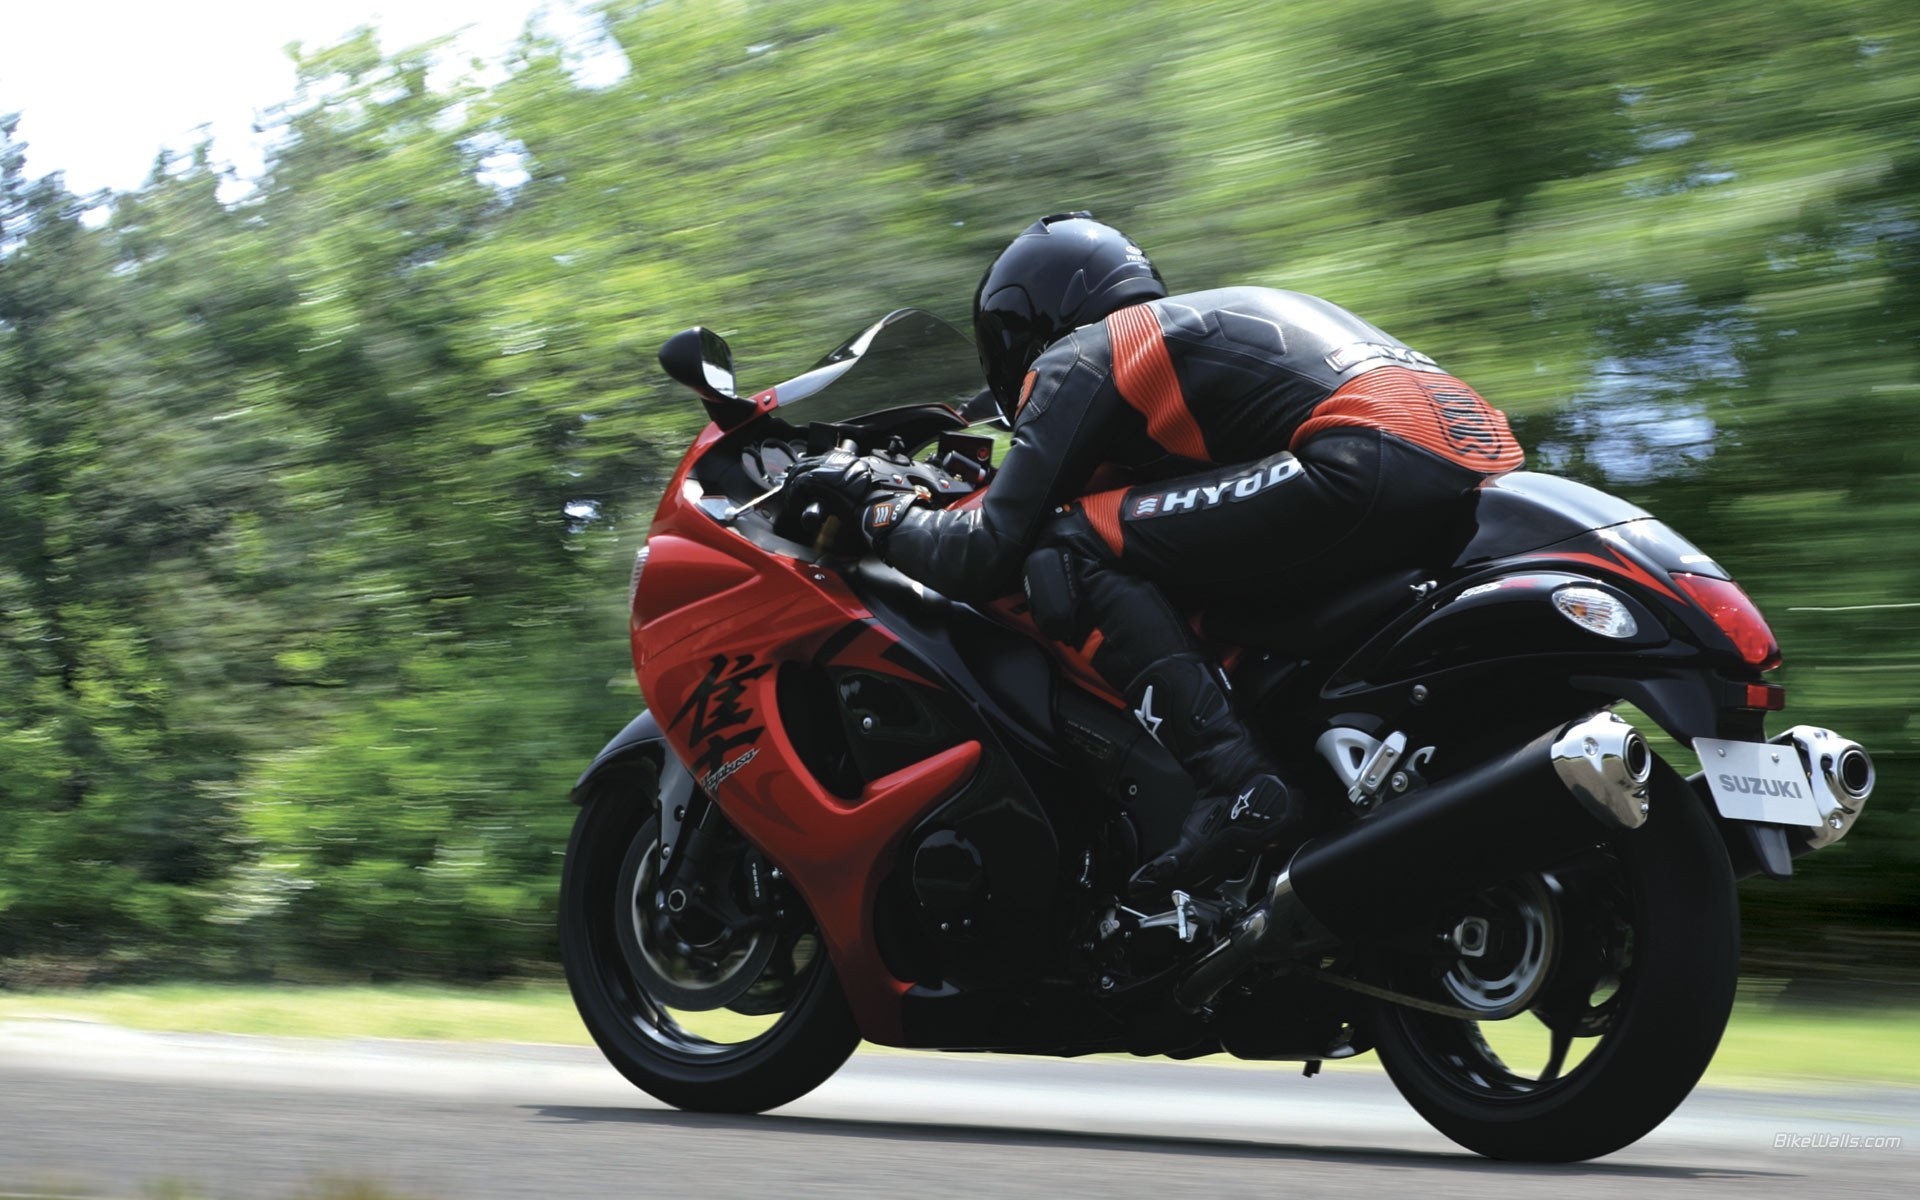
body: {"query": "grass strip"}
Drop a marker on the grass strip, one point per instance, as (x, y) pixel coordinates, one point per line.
(1766, 1044)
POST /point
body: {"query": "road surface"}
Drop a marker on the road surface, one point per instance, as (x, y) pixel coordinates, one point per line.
(104, 1112)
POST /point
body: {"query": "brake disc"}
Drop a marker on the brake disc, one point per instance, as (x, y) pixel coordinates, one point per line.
(673, 971)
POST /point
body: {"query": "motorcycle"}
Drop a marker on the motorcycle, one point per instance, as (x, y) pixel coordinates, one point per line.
(857, 809)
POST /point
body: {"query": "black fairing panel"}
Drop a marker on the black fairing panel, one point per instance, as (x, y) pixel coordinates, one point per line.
(1494, 643)
(1488, 634)
(1523, 511)
(1505, 617)
(972, 899)
(1660, 544)
(1008, 677)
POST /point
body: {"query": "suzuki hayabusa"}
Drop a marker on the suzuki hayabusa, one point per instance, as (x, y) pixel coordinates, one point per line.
(857, 809)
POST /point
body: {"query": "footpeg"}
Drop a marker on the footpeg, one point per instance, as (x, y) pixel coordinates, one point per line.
(1278, 928)
(1184, 918)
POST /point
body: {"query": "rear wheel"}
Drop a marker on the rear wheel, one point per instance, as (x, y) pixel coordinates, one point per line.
(707, 987)
(1631, 952)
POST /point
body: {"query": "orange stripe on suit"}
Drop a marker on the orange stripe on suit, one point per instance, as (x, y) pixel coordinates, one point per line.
(1103, 513)
(1433, 411)
(1143, 371)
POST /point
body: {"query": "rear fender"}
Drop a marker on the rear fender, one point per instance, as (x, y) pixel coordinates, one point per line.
(1687, 703)
(1693, 704)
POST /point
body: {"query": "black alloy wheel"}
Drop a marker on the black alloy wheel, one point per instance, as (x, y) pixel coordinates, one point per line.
(1630, 953)
(701, 997)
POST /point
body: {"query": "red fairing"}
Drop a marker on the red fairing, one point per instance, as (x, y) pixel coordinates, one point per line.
(713, 619)
(1615, 563)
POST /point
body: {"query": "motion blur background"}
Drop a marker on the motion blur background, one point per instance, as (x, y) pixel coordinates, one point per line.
(318, 489)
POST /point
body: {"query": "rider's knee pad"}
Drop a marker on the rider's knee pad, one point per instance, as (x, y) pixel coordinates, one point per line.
(1053, 593)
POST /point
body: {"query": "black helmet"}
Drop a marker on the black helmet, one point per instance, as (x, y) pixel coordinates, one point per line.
(1065, 271)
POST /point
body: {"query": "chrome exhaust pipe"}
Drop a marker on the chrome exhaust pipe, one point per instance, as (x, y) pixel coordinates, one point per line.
(1605, 763)
(1566, 789)
(1854, 773)
(1843, 777)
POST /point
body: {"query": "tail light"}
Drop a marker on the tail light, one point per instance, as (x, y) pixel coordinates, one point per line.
(1736, 616)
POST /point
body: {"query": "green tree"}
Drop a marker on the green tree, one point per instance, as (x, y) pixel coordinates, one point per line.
(315, 504)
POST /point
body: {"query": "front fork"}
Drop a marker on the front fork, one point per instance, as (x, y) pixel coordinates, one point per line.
(699, 853)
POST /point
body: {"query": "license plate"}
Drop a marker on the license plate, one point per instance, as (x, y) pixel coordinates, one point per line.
(1758, 781)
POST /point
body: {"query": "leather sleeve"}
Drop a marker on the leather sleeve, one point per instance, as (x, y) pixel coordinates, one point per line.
(1059, 438)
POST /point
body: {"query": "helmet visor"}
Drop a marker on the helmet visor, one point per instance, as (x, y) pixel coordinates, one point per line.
(1003, 333)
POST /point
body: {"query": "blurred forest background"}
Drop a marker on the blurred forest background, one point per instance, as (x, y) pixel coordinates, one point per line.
(317, 497)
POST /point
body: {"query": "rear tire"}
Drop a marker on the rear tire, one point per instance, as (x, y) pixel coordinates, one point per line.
(811, 1034)
(1672, 990)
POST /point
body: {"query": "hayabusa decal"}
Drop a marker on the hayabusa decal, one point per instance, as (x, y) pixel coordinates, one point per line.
(1162, 504)
(715, 705)
(719, 774)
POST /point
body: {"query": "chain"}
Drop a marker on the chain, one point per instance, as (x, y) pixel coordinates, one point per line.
(1512, 1008)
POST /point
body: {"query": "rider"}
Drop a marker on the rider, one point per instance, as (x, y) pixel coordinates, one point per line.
(1274, 442)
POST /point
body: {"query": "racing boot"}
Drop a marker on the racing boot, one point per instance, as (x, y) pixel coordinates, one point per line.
(1243, 808)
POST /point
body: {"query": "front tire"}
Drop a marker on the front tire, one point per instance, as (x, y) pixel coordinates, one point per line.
(1647, 967)
(797, 1030)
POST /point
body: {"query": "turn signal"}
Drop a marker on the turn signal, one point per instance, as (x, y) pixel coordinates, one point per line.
(1596, 611)
(633, 583)
(1736, 616)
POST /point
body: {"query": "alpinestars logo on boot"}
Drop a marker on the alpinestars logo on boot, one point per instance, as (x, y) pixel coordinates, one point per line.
(1193, 499)
(1145, 714)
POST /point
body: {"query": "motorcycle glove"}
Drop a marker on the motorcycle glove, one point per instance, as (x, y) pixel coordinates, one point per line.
(883, 513)
(839, 481)
(855, 489)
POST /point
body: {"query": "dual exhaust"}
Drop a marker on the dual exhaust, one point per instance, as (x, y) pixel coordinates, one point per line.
(1563, 791)
(1842, 776)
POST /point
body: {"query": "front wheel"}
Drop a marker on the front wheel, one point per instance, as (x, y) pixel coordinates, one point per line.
(1637, 944)
(708, 989)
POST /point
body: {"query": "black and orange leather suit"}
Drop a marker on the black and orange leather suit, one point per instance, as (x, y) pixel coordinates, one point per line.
(1274, 443)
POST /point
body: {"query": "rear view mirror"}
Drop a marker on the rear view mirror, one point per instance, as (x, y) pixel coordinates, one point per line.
(982, 409)
(702, 360)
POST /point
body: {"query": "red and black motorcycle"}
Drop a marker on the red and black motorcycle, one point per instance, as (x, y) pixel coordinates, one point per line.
(856, 809)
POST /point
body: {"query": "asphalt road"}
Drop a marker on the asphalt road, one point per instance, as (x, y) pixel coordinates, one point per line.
(104, 1112)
